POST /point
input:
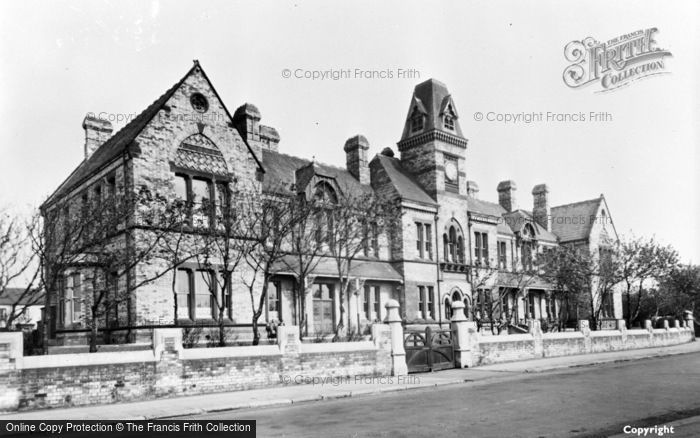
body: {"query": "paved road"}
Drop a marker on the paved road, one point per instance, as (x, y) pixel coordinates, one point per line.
(588, 401)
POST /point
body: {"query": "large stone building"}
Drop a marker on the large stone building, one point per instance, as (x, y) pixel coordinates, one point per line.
(187, 144)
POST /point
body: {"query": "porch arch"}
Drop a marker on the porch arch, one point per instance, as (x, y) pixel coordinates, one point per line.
(455, 294)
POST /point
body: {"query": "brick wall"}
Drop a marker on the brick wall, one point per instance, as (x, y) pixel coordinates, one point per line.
(167, 370)
(535, 345)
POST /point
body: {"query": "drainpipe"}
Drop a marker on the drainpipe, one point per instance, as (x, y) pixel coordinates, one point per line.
(437, 269)
(471, 262)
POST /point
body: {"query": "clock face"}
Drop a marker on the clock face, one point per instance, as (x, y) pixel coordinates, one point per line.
(451, 170)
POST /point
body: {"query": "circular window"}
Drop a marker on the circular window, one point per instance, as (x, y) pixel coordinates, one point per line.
(199, 102)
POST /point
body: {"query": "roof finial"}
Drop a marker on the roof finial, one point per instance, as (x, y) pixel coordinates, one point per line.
(195, 61)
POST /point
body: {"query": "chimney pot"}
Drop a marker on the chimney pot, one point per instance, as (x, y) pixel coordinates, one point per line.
(472, 189)
(540, 206)
(97, 132)
(506, 195)
(356, 158)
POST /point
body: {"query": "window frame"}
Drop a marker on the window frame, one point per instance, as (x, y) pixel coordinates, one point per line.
(215, 186)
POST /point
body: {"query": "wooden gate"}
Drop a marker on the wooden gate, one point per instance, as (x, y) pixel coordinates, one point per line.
(429, 350)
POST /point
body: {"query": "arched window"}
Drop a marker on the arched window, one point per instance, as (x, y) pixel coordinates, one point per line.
(416, 120)
(455, 296)
(445, 247)
(460, 249)
(453, 242)
(448, 308)
(325, 194)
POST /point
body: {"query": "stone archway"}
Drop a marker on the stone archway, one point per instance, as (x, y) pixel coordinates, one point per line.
(455, 294)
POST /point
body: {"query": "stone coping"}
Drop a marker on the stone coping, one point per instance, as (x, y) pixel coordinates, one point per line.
(329, 347)
(563, 335)
(509, 338)
(241, 351)
(85, 359)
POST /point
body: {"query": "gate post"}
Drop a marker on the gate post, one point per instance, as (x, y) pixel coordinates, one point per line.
(461, 336)
(398, 354)
(690, 323)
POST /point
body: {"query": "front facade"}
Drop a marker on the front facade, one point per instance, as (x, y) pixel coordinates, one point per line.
(188, 146)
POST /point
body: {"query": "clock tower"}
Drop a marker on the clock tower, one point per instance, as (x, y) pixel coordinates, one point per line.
(432, 145)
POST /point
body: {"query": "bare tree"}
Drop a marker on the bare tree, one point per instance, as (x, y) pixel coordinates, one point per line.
(496, 286)
(124, 236)
(224, 235)
(18, 263)
(641, 262)
(269, 233)
(585, 278)
(305, 250)
(352, 227)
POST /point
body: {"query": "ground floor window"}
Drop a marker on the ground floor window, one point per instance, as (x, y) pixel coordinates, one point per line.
(372, 303)
(183, 289)
(505, 303)
(201, 295)
(607, 307)
(551, 307)
(324, 308)
(531, 306)
(426, 308)
(71, 298)
(274, 299)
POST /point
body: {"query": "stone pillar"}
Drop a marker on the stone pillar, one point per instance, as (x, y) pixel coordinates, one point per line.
(690, 323)
(535, 330)
(288, 339)
(167, 348)
(647, 326)
(398, 354)
(381, 336)
(585, 328)
(464, 336)
(622, 327)
(676, 324)
(167, 339)
(666, 327)
(11, 355)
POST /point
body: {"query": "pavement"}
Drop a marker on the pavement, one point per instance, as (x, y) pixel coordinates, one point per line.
(336, 388)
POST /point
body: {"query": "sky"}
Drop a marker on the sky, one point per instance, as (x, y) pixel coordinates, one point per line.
(61, 60)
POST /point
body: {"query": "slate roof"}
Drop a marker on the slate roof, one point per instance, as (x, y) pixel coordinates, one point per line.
(120, 142)
(431, 97)
(516, 219)
(280, 170)
(13, 294)
(116, 144)
(573, 221)
(478, 206)
(404, 183)
(326, 267)
(508, 279)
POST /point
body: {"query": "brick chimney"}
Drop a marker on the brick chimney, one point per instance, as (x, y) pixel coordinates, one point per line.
(506, 195)
(269, 138)
(540, 207)
(356, 158)
(472, 189)
(246, 120)
(97, 131)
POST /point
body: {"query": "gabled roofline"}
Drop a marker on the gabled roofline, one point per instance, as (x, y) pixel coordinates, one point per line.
(612, 223)
(163, 99)
(228, 113)
(577, 202)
